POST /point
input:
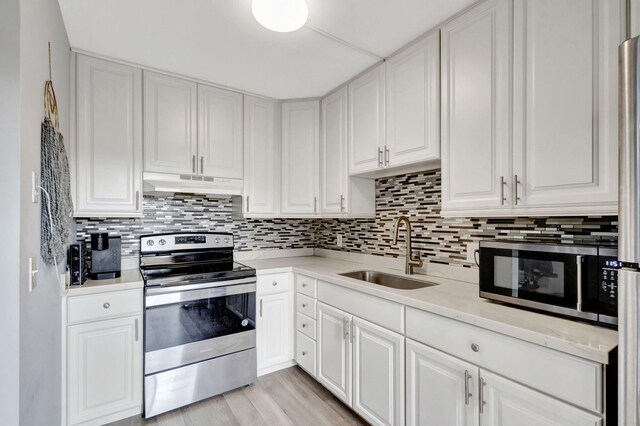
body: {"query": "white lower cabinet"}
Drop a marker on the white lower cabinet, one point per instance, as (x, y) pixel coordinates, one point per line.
(440, 388)
(362, 364)
(104, 358)
(274, 324)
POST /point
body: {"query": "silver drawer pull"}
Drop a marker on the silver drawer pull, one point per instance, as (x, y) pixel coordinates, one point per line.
(304, 305)
(275, 283)
(475, 347)
(304, 325)
(106, 305)
(304, 284)
(304, 353)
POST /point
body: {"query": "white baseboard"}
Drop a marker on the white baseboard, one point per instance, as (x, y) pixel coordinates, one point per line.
(277, 367)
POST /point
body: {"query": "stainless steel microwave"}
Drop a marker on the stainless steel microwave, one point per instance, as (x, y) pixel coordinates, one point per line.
(574, 279)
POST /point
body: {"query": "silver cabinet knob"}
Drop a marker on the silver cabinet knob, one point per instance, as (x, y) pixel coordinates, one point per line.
(150, 243)
(304, 305)
(162, 242)
(304, 284)
(304, 353)
(275, 283)
(106, 305)
(475, 347)
(304, 325)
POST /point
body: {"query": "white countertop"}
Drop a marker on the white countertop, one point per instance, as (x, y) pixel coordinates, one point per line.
(460, 301)
(129, 279)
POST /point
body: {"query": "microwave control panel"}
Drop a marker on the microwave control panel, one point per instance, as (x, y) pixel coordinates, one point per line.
(608, 282)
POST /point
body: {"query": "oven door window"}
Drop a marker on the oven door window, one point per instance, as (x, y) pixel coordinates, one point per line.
(540, 277)
(198, 319)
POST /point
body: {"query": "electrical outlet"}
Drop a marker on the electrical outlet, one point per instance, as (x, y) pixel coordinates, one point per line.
(35, 183)
(471, 249)
(339, 240)
(33, 274)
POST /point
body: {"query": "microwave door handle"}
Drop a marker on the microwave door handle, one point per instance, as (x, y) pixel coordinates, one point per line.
(579, 282)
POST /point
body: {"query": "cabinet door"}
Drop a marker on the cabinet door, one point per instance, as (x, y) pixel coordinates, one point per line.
(441, 389)
(413, 103)
(170, 132)
(104, 368)
(107, 163)
(333, 153)
(260, 155)
(274, 328)
(334, 351)
(508, 403)
(378, 373)
(565, 102)
(219, 132)
(476, 102)
(300, 155)
(366, 122)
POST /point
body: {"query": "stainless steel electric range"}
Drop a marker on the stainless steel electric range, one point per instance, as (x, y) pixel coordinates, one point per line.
(199, 319)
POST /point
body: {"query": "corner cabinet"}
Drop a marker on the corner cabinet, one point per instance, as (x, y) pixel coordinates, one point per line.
(300, 158)
(260, 157)
(541, 139)
(106, 149)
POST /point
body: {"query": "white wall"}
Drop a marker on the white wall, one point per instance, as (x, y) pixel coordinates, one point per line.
(10, 210)
(40, 311)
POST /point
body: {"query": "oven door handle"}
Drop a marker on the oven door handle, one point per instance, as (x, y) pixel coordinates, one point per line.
(177, 296)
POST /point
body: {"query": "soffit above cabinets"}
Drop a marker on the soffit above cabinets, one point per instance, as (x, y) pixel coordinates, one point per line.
(220, 41)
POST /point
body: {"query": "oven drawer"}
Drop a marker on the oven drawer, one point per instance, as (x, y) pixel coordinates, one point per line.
(272, 283)
(306, 325)
(100, 306)
(306, 305)
(306, 285)
(306, 353)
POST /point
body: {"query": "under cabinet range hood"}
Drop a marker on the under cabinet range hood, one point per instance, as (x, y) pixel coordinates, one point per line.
(163, 183)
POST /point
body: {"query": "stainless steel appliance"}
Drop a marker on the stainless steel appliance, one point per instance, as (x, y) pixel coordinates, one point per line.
(199, 319)
(105, 256)
(629, 229)
(577, 278)
(76, 261)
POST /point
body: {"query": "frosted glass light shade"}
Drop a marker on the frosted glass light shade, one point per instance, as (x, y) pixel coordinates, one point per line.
(282, 16)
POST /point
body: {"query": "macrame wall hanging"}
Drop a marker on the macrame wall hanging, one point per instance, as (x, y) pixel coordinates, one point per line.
(57, 206)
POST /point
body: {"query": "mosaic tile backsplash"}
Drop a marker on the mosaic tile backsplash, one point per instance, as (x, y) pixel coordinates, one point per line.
(439, 240)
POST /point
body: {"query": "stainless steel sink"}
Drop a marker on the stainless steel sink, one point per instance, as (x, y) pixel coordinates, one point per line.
(388, 280)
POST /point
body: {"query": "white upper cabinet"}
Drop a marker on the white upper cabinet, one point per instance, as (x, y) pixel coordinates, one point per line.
(549, 147)
(300, 157)
(334, 152)
(170, 129)
(413, 103)
(260, 156)
(476, 99)
(106, 153)
(219, 132)
(367, 122)
(565, 103)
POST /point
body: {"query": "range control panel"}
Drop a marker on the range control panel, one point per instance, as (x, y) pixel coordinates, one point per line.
(183, 241)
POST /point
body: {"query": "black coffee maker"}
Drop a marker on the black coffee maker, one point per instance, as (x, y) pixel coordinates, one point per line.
(105, 256)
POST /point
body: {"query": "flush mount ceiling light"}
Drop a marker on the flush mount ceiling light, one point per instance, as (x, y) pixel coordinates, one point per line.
(282, 16)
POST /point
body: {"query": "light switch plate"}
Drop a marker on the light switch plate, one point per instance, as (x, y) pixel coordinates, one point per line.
(33, 274)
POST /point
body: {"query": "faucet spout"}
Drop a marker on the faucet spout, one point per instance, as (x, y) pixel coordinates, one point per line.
(410, 262)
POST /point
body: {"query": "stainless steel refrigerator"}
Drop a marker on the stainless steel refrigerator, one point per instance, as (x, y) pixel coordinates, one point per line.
(629, 235)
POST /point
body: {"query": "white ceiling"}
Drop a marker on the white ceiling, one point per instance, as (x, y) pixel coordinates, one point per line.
(219, 40)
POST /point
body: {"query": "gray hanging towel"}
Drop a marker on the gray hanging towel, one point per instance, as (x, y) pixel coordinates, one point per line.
(54, 170)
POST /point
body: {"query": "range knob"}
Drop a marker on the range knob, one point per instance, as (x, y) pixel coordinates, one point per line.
(150, 243)
(162, 242)
(226, 240)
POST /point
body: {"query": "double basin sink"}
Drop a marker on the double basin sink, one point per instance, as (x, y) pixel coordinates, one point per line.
(388, 280)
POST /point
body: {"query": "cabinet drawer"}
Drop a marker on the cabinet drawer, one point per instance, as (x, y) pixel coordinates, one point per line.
(306, 305)
(272, 283)
(306, 325)
(564, 376)
(306, 285)
(104, 305)
(306, 353)
(371, 308)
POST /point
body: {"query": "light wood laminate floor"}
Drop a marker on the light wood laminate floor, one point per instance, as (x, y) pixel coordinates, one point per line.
(286, 397)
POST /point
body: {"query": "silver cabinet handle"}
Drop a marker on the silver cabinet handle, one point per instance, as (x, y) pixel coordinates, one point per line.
(467, 388)
(315, 204)
(137, 200)
(351, 332)
(379, 157)
(386, 156)
(260, 307)
(247, 204)
(304, 325)
(193, 164)
(345, 329)
(475, 347)
(304, 353)
(515, 189)
(579, 282)
(202, 164)
(502, 185)
(136, 330)
(304, 305)
(106, 305)
(341, 203)
(275, 283)
(304, 285)
(481, 394)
